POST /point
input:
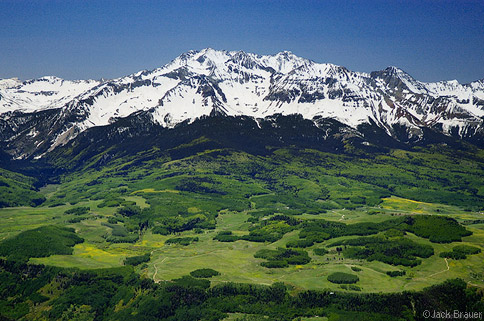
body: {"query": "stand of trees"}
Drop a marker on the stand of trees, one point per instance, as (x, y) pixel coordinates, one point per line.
(40, 242)
(182, 240)
(395, 273)
(204, 273)
(136, 260)
(397, 251)
(80, 210)
(438, 229)
(342, 278)
(282, 257)
(460, 252)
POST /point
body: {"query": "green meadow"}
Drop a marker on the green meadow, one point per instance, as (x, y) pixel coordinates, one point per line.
(235, 260)
(230, 211)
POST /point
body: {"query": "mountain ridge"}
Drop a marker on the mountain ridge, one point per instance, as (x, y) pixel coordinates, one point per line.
(38, 115)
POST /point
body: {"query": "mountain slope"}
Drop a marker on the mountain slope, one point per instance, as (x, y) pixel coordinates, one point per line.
(211, 82)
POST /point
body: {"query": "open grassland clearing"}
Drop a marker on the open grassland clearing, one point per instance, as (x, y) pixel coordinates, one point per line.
(403, 205)
(235, 260)
(17, 219)
(150, 202)
(85, 256)
(14, 220)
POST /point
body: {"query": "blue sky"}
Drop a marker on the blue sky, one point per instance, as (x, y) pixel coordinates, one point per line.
(431, 40)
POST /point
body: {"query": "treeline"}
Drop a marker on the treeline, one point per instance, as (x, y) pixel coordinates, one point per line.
(396, 251)
(31, 292)
(204, 273)
(460, 252)
(312, 231)
(264, 231)
(79, 210)
(137, 260)
(439, 229)
(282, 257)
(342, 278)
(177, 224)
(40, 242)
(396, 273)
(182, 240)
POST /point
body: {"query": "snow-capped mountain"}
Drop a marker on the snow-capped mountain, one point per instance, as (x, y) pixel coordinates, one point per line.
(43, 93)
(38, 115)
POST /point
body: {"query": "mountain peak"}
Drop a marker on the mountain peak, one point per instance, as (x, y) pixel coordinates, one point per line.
(285, 53)
(395, 70)
(236, 83)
